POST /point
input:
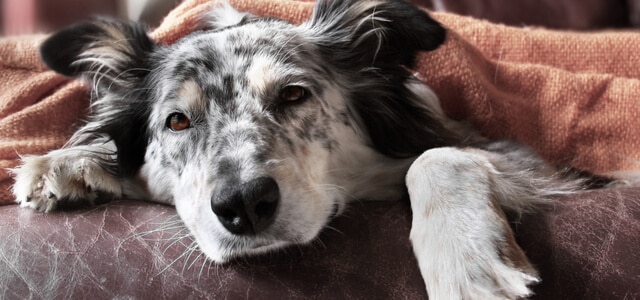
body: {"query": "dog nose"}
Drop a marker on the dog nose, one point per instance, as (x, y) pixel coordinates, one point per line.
(246, 208)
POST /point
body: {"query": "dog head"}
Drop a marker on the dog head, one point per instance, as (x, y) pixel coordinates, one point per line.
(258, 130)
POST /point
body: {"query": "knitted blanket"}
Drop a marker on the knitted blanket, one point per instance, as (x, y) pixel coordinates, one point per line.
(573, 97)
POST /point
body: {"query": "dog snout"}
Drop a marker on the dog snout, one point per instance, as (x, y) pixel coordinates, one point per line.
(246, 208)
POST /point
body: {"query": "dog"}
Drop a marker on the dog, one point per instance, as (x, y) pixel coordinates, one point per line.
(260, 132)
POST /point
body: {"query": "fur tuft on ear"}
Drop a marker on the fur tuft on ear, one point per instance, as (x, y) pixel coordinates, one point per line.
(104, 51)
(224, 15)
(115, 57)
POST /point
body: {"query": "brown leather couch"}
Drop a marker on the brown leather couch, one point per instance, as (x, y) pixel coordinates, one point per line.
(586, 247)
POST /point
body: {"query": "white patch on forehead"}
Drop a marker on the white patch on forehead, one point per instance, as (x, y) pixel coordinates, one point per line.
(262, 73)
(190, 94)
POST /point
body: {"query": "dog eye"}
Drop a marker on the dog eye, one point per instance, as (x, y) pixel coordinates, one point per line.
(293, 93)
(178, 122)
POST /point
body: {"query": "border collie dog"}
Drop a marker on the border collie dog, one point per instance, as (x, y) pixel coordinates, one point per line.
(260, 131)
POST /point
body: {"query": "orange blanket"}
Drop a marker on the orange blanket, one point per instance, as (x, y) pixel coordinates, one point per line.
(574, 97)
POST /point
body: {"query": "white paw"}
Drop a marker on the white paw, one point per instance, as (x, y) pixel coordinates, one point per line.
(478, 276)
(42, 181)
(501, 282)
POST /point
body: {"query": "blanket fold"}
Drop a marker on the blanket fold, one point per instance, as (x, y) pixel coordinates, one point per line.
(573, 97)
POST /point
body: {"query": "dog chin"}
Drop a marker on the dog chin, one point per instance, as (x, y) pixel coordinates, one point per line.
(259, 249)
(221, 256)
(230, 248)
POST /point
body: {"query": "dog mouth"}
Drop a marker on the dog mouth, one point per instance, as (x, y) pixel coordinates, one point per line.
(240, 248)
(336, 210)
(259, 248)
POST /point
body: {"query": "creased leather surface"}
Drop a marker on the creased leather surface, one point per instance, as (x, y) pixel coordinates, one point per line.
(100, 253)
(588, 247)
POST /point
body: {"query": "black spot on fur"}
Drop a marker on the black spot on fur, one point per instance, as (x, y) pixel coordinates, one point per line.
(186, 68)
(242, 51)
(228, 92)
(228, 168)
(129, 132)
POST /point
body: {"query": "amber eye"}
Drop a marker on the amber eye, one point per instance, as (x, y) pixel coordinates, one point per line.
(293, 93)
(178, 122)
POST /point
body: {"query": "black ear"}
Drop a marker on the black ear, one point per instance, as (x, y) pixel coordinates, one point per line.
(114, 56)
(371, 32)
(103, 49)
(371, 43)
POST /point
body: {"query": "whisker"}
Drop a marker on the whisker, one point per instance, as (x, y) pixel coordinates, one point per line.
(191, 249)
(172, 263)
(204, 262)
(335, 230)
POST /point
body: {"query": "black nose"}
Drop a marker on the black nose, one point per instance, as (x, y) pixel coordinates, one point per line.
(246, 208)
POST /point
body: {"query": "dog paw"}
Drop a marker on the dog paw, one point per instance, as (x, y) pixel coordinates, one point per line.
(42, 182)
(501, 282)
(31, 187)
(481, 279)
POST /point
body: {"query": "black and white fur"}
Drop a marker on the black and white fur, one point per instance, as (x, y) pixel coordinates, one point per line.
(285, 125)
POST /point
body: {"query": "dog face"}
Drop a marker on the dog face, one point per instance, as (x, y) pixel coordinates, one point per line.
(259, 130)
